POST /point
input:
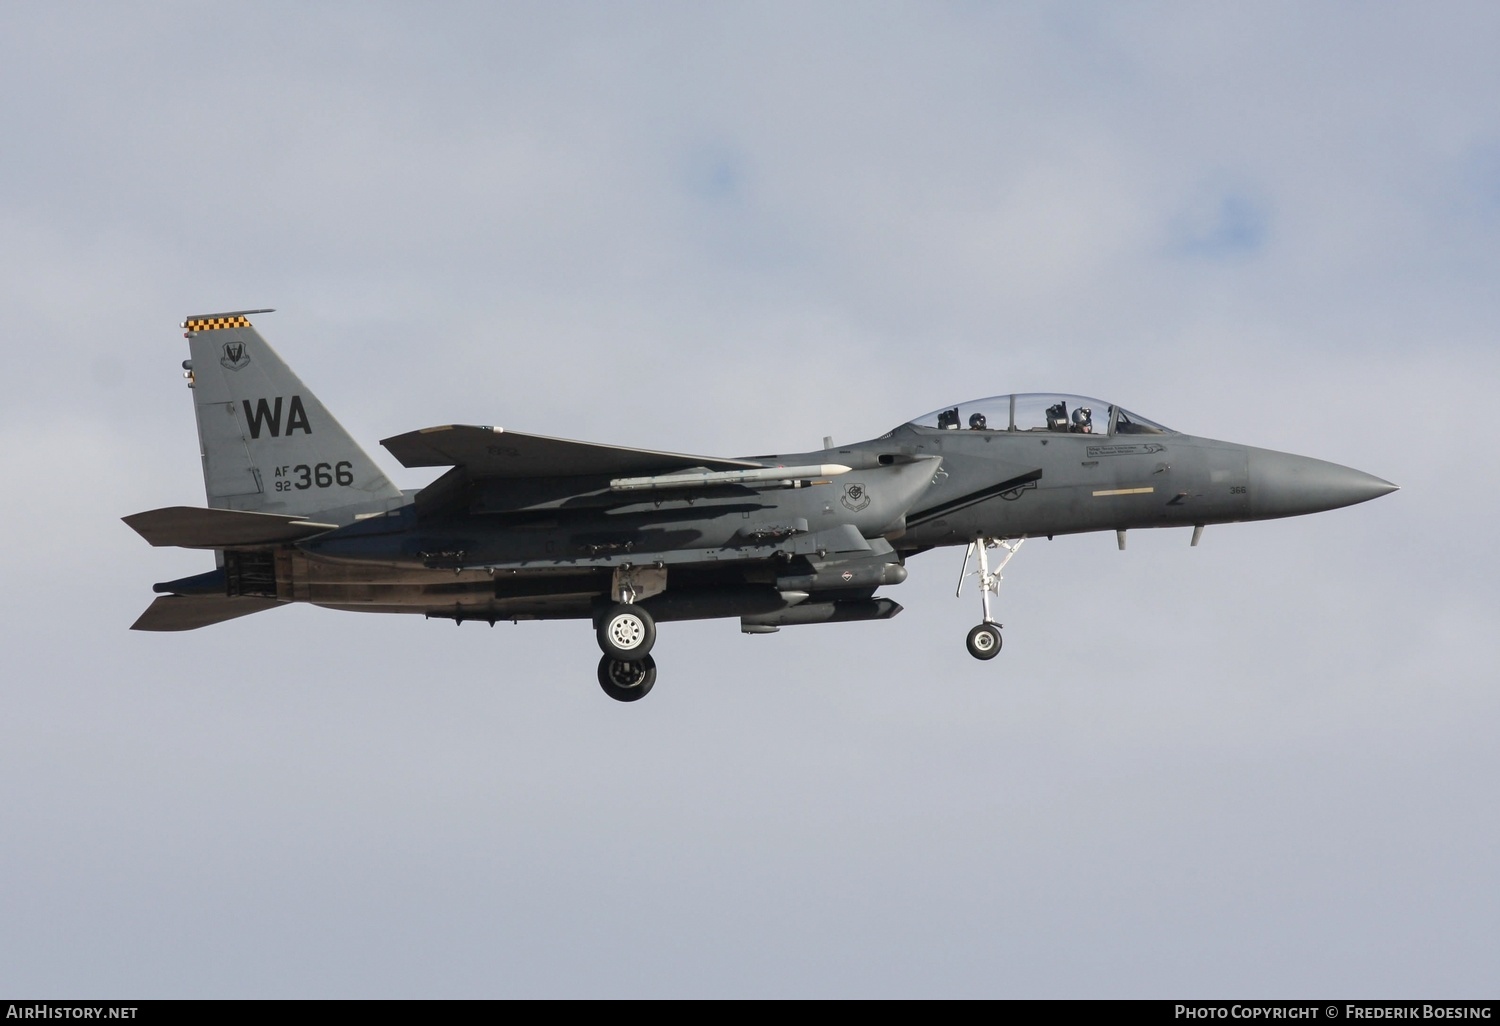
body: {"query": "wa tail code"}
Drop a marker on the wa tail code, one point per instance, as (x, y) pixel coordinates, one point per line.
(264, 415)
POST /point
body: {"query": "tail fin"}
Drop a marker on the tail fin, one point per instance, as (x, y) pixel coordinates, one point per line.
(268, 444)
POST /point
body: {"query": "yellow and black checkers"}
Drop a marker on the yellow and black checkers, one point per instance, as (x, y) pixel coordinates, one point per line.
(216, 323)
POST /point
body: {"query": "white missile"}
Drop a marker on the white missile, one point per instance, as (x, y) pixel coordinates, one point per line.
(706, 479)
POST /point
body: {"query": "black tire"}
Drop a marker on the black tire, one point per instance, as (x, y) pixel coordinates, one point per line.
(984, 641)
(626, 632)
(626, 682)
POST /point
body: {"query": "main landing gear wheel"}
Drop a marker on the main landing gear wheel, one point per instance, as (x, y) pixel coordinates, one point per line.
(626, 632)
(626, 682)
(984, 641)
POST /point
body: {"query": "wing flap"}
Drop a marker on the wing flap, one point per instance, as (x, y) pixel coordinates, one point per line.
(193, 527)
(495, 452)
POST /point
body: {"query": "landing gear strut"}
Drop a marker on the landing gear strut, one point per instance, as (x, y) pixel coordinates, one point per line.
(984, 641)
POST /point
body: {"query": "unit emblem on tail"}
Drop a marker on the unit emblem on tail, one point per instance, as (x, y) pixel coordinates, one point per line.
(234, 357)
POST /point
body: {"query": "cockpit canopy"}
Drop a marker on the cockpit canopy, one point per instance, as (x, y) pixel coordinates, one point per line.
(1041, 411)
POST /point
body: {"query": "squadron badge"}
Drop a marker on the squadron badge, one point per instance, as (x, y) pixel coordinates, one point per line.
(855, 497)
(234, 358)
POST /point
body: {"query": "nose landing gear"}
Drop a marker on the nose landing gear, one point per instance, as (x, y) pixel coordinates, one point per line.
(984, 641)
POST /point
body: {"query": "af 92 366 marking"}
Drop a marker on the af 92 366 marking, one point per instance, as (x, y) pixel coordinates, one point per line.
(319, 475)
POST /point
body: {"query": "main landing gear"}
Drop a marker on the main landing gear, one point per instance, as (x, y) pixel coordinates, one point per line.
(626, 682)
(984, 641)
(626, 633)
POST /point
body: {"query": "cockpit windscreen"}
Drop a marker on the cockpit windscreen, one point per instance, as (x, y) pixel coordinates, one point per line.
(1041, 411)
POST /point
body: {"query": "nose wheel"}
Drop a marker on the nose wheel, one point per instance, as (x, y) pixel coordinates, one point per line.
(984, 641)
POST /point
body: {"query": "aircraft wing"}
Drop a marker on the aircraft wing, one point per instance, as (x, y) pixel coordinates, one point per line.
(495, 452)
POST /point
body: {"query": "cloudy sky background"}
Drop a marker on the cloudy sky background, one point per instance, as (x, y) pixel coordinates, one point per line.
(1262, 767)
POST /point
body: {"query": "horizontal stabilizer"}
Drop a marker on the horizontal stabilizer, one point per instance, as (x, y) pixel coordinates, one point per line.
(192, 527)
(495, 452)
(189, 612)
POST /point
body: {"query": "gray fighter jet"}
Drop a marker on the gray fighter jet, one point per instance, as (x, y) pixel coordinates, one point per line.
(526, 527)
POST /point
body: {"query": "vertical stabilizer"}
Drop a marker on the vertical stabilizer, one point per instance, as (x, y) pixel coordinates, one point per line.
(268, 444)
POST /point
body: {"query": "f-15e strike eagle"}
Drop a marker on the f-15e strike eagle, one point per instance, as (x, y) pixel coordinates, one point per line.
(526, 527)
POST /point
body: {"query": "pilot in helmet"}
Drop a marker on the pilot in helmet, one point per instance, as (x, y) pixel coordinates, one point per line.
(1083, 420)
(976, 422)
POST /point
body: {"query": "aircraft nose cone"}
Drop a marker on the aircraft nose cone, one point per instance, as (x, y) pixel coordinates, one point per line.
(1283, 485)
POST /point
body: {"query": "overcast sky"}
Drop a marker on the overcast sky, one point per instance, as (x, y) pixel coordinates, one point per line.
(1262, 767)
